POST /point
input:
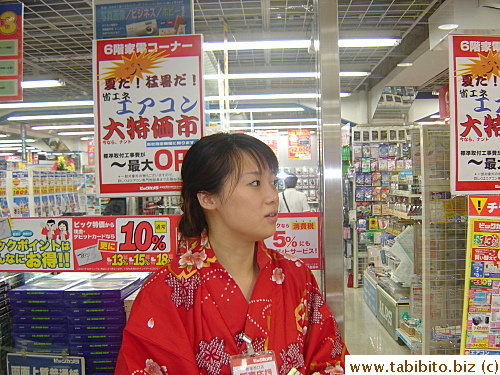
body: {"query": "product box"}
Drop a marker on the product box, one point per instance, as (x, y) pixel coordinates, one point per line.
(90, 311)
(97, 353)
(94, 346)
(96, 320)
(103, 289)
(39, 346)
(34, 311)
(40, 319)
(41, 337)
(33, 328)
(101, 365)
(41, 289)
(78, 338)
(93, 303)
(87, 329)
(36, 303)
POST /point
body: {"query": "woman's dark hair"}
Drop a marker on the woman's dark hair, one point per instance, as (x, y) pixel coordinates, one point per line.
(208, 164)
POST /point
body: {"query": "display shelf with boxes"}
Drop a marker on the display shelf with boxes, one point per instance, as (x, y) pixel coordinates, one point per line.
(307, 182)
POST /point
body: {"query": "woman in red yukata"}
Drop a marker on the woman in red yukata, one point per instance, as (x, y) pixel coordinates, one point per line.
(228, 305)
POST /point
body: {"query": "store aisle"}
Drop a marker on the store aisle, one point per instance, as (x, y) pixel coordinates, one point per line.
(363, 332)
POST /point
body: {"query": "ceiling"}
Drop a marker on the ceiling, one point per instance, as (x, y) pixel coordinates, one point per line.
(58, 43)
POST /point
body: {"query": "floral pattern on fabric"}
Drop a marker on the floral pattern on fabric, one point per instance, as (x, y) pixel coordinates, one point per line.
(278, 276)
(152, 368)
(301, 315)
(315, 303)
(212, 356)
(292, 358)
(183, 289)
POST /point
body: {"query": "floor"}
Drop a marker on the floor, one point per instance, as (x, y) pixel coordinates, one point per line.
(363, 332)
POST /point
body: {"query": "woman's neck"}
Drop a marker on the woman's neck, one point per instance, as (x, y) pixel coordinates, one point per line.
(239, 260)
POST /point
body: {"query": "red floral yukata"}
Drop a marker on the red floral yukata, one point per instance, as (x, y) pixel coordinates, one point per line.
(189, 315)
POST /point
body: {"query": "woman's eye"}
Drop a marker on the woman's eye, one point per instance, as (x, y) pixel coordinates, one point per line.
(255, 183)
(275, 183)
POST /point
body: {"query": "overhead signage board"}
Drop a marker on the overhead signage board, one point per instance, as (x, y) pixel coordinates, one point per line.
(149, 110)
(475, 114)
(11, 52)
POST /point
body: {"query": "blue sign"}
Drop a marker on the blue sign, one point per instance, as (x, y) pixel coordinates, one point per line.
(34, 364)
(143, 18)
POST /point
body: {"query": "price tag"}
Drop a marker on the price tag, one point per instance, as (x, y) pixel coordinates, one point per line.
(261, 363)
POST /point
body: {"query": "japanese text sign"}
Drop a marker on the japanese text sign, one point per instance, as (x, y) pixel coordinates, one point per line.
(475, 72)
(299, 144)
(149, 106)
(11, 52)
(481, 319)
(28, 364)
(298, 234)
(484, 205)
(88, 244)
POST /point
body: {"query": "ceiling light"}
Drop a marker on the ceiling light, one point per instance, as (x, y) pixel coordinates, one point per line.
(271, 44)
(257, 110)
(86, 138)
(262, 75)
(5, 141)
(345, 94)
(264, 44)
(369, 42)
(3, 135)
(6, 153)
(405, 64)
(42, 83)
(59, 127)
(264, 96)
(354, 74)
(49, 117)
(279, 120)
(448, 26)
(268, 127)
(75, 133)
(69, 103)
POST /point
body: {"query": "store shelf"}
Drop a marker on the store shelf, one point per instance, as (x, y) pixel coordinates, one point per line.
(404, 215)
(404, 193)
(409, 341)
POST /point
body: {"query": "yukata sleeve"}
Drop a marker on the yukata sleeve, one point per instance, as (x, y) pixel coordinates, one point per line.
(155, 340)
(324, 348)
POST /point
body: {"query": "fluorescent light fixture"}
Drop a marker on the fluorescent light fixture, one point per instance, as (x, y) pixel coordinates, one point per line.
(262, 75)
(6, 141)
(279, 120)
(70, 103)
(405, 64)
(270, 44)
(269, 127)
(60, 127)
(42, 83)
(50, 117)
(448, 26)
(263, 97)
(257, 110)
(75, 133)
(369, 42)
(3, 135)
(86, 138)
(264, 44)
(6, 153)
(345, 94)
(354, 74)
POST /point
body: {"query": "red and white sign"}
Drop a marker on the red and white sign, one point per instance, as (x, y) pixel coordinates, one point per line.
(11, 52)
(475, 90)
(299, 144)
(298, 234)
(149, 106)
(484, 205)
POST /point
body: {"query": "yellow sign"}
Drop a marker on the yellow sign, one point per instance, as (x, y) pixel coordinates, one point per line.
(479, 204)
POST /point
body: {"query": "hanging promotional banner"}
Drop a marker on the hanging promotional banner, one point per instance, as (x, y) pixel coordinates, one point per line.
(475, 130)
(11, 52)
(118, 19)
(299, 144)
(297, 234)
(149, 108)
(126, 243)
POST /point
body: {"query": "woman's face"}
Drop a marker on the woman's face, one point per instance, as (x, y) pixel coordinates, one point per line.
(62, 226)
(248, 204)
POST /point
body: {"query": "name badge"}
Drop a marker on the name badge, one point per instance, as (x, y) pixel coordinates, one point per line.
(261, 363)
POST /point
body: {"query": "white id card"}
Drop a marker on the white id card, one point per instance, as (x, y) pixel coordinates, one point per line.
(261, 363)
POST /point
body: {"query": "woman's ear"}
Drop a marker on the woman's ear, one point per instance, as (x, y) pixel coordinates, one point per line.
(207, 200)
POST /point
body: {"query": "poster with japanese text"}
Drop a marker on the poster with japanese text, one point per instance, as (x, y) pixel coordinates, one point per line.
(481, 316)
(298, 234)
(87, 244)
(11, 52)
(299, 144)
(149, 106)
(475, 127)
(118, 19)
(269, 137)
